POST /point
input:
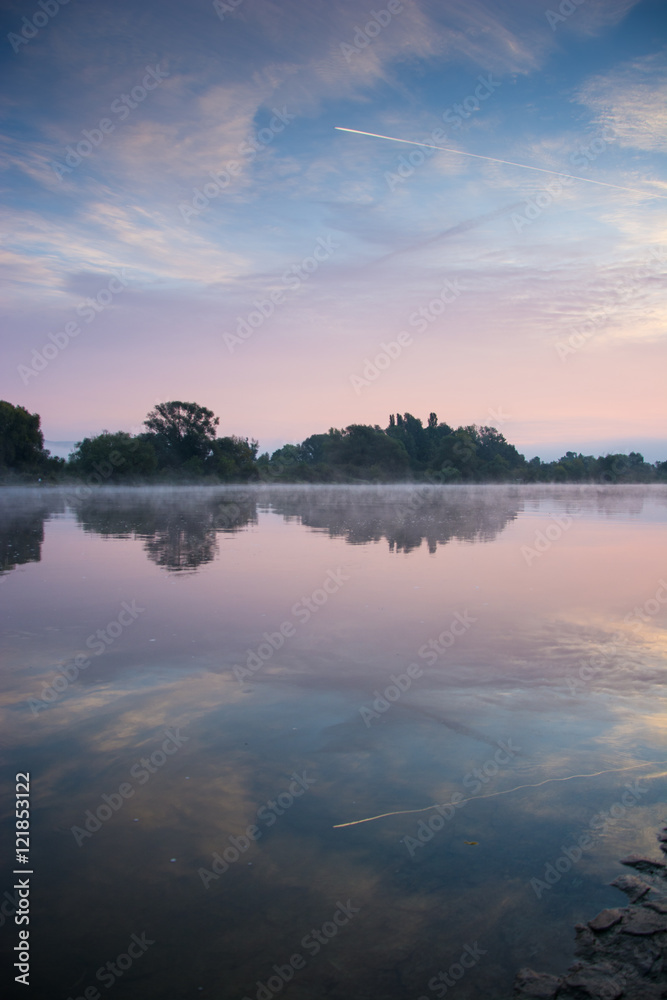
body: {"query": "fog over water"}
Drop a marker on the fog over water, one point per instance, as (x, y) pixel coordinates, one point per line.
(257, 666)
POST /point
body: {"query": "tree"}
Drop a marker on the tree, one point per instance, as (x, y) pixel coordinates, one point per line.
(181, 431)
(117, 454)
(365, 449)
(492, 445)
(21, 440)
(233, 458)
(457, 453)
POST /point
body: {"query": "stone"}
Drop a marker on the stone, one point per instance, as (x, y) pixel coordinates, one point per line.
(633, 887)
(643, 864)
(596, 982)
(643, 921)
(530, 985)
(605, 920)
(620, 953)
(653, 904)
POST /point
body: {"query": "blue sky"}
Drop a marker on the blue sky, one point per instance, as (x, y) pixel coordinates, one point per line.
(183, 221)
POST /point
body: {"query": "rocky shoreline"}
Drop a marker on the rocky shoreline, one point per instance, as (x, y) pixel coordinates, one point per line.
(621, 953)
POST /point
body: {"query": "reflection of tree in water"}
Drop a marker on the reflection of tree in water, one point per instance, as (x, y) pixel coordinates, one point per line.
(179, 529)
(182, 544)
(408, 515)
(404, 515)
(22, 517)
(608, 500)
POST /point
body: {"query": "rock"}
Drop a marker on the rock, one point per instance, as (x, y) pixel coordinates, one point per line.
(648, 956)
(530, 985)
(643, 864)
(646, 991)
(620, 953)
(596, 981)
(586, 939)
(605, 920)
(655, 905)
(633, 887)
(643, 921)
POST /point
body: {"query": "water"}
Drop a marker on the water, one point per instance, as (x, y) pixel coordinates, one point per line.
(218, 663)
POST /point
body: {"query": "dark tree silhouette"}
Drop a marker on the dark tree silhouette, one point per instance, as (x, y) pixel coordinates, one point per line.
(181, 431)
(115, 455)
(21, 440)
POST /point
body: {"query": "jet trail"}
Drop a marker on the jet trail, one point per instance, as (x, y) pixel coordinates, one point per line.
(504, 791)
(509, 163)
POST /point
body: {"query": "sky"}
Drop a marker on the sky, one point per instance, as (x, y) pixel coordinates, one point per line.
(185, 220)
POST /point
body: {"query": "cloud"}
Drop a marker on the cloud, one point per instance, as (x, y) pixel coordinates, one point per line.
(466, 31)
(594, 17)
(631, 102)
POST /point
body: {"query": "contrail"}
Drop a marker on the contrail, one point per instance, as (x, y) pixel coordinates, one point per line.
(504, 791)
(509, 163)
(461, 227)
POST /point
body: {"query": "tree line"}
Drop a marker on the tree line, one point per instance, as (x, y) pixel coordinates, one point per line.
(181, 444)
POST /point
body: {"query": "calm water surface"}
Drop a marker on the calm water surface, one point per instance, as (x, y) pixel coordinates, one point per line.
(203, 684)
